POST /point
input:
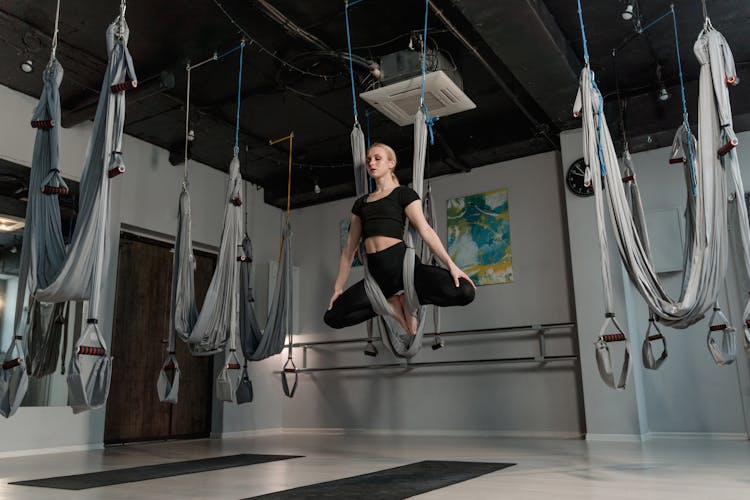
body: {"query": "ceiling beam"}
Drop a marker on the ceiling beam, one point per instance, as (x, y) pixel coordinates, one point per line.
(526, 38)
(461, 27)
(19, 33)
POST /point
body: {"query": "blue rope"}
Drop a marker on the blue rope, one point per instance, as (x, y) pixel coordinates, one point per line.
(430, 122)
(652, 23)
(239, 101)
(234, 49)
(600, 110)
(351, 66)
(684, 103)
(583, 35)
(424, 49)
(599, 126)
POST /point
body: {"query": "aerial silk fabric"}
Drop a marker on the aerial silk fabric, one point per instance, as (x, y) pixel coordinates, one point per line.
(53, 272)
(718, 73)
(706, 241)
(207, 332)
(256, 345)
(47, 331)
(706, 216)
(396, 339)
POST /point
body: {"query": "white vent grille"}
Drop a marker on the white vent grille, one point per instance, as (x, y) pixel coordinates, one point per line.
(399, 101)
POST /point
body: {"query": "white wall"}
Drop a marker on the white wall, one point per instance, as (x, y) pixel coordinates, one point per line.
(689, 394)
(145, 197)
(524, 399)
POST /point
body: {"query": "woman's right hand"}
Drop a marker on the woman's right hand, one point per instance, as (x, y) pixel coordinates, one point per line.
(336, 293)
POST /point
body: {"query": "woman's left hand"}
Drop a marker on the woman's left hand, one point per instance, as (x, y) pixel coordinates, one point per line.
(457, 274)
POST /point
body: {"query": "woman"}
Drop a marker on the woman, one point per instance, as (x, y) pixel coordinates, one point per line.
(379, 219)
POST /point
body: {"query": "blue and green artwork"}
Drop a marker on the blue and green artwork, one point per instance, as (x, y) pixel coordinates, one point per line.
(479, 236)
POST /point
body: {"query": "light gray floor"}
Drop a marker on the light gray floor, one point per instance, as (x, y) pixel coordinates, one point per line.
(546, 469)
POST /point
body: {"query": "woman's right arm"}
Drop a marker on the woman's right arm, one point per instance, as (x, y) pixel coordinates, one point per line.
(347, 257)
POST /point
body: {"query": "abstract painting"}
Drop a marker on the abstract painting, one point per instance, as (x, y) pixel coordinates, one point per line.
(479, 236)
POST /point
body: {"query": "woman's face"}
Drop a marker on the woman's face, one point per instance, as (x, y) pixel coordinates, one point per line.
(378, 163)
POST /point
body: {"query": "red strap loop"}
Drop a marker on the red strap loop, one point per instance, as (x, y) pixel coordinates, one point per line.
(115, 171)
(614, 337)
(92, 351)
(43, 124)
(11, 364)
(126, 85)
(55, 190)
(726, 148)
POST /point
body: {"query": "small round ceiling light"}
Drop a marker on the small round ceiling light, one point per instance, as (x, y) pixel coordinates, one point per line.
(627, 13)
(27, 66)
(664, 94)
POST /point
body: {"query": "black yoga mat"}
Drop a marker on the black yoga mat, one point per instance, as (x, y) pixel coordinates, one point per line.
(391, 484)
(146, 472)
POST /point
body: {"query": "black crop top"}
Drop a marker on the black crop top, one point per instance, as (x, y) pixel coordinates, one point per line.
(385, 216)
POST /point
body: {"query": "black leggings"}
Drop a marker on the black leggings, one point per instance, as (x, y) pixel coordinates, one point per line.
(434, 285)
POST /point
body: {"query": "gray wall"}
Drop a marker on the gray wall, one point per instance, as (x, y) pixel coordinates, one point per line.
(689, 394)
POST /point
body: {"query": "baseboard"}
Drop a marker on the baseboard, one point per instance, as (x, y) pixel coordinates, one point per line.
(437, 432)
(719, 436)
(245, 434)
(617, 438)
(48, 451)
(652, 436)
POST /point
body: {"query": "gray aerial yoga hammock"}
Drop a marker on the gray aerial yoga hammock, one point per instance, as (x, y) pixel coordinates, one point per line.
(396, 339)
(183, 308)
(257, 345)
(48, 329)
(57, 274)
(206, 333)
(706, 220)
(718, 72)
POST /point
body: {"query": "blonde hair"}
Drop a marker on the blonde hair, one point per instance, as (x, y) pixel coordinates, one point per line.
(390, 154)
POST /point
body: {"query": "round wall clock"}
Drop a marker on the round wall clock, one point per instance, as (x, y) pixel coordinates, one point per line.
(576, 179)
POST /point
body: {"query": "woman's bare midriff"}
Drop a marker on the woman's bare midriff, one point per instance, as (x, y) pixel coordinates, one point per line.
(378, 243)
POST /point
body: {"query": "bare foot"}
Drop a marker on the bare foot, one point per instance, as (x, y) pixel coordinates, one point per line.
(412, 322)
(398, 313)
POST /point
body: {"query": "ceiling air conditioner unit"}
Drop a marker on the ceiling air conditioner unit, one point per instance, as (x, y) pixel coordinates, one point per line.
(399, 101)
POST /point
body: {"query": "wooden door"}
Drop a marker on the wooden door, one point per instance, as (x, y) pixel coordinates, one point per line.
(134, 413)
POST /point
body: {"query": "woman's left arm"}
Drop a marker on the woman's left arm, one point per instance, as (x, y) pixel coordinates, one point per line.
(429, 236)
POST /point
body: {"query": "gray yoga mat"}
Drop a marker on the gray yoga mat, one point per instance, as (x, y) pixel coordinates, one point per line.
(146, 472)
(391, 484)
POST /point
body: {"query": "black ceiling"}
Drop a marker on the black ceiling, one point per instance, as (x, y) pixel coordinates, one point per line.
(519, 60)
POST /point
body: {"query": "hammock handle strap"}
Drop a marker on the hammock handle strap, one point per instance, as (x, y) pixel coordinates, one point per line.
(604, 356)
(726, 354)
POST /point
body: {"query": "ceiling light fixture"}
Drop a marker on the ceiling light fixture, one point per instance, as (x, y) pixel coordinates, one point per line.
(27, 66)
(316, 188)
(627, 13)
(664, 94)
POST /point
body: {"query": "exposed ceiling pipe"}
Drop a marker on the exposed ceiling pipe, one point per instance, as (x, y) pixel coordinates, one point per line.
(541, 128)
(86, 108)
(289, 26)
